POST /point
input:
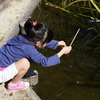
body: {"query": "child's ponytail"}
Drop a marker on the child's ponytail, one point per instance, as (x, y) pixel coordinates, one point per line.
(37, 32)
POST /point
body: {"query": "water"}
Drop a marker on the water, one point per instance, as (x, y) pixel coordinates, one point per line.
(78, 75)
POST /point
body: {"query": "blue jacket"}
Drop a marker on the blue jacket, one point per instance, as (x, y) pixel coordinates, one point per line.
(18, 47)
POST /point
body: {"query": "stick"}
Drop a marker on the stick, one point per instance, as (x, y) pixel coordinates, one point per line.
(74, 36)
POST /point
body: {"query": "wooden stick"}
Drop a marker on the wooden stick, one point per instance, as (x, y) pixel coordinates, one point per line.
(74, 36)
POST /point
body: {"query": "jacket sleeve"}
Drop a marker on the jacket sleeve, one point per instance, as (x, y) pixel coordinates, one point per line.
(39, 58)
(52, 44)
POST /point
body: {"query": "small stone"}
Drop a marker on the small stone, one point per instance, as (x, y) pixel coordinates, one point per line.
(11, 94)
(28, 95)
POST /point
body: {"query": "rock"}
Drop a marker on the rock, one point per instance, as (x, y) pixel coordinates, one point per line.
(4, 4)
(31, 76)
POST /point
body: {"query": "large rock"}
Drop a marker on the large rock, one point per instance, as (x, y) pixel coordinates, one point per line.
(17, 11)
(4, 4)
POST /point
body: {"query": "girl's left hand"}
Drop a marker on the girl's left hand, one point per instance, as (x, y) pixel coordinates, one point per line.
(61, 43)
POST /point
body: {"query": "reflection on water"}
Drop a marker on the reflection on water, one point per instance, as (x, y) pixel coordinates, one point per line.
(78, 76)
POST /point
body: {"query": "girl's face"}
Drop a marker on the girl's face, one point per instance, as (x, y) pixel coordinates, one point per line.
(40, 45)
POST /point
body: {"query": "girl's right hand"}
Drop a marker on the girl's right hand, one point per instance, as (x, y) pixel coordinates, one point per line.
(64, 50)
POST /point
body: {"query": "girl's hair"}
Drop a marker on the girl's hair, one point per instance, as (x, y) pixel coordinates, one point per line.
(37, 32)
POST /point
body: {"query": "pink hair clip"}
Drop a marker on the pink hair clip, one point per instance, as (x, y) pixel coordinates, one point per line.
(34, 23)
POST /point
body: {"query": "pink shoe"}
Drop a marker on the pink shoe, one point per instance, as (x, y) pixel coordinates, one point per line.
(19, 86)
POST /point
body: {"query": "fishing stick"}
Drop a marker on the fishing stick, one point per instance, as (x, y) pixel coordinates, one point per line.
(74, 36)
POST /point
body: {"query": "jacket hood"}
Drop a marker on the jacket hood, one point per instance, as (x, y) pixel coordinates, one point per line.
(18, 40)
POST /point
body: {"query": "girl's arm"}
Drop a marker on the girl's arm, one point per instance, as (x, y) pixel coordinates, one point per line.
(46, 61)
(39, 58)
(64, 50)
(49, 61)
(53, 44)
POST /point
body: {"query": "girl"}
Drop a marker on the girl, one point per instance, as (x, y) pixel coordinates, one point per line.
(17, 54)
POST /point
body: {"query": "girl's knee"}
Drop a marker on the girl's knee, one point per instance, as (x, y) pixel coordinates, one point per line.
(22, 64)
(26, 63)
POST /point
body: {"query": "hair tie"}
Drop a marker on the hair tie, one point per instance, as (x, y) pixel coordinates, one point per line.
(34, 23)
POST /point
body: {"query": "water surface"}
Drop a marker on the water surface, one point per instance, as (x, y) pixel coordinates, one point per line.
(78, 75)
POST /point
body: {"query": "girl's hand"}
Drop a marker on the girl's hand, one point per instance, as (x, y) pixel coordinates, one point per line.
(61, 43)
(64, 50)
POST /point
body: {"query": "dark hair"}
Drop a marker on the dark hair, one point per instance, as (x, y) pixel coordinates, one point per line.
(37, 32)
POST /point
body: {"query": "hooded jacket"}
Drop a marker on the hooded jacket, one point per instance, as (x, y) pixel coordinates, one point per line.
(19, 47)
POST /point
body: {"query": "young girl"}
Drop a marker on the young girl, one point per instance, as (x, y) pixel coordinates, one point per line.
(17, 54)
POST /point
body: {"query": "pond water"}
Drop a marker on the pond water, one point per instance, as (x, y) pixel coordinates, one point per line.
(78, 75)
